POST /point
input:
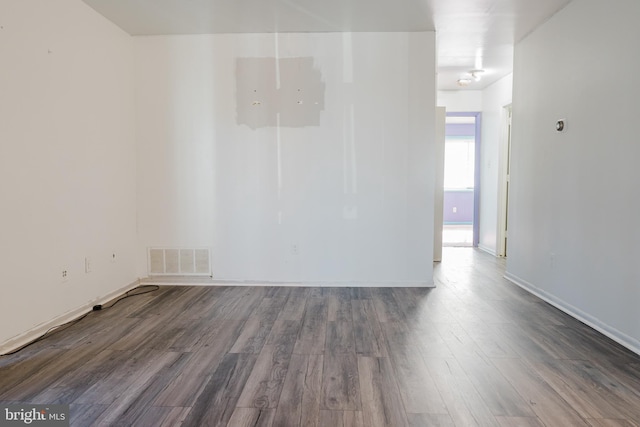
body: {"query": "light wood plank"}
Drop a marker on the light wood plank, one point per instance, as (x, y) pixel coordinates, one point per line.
(464, 403)
(498, 394)
(545, 402)
(340, 419)
(519, 422)
(430, 420)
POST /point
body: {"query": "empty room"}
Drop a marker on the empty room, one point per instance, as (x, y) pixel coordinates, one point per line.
(220, 213)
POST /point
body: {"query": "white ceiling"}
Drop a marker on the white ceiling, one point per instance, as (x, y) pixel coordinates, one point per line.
(471, 34)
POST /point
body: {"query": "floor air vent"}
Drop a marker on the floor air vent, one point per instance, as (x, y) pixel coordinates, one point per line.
(179, 262)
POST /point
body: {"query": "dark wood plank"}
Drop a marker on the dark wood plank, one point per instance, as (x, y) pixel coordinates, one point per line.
(311, 338)
(254, 334)
(73, 384)
(85, 415)
(238, 303)
(340, 338)
(284, 333)
(264, 385)
(163, 416)
(381, 401)
(360, 293)
(132, 377)
(591, 393)
(186, 387)
(312, 395)
(300, 398)
(217, 401)
(252, 417)
(135, 401)
(368, 335)
(387, 307)
(25, 384)
(269, 308)
(289, 410)
(341, 389)
(293, 309)
(339, 307)
(523, 344)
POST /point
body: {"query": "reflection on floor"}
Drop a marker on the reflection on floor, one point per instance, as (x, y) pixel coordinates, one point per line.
(457, 235)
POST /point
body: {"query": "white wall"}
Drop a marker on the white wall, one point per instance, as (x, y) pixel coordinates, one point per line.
(574, 200)
(460, 101)
(354, 194)
(67, 161)
(494, 99)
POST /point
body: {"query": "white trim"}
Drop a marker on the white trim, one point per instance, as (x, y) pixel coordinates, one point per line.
(503, 164)
(487, 249)
(26, 337)
(619, 337)
(199, 281)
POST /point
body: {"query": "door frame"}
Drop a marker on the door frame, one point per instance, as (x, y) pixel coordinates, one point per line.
(504, 160)
(477, 163)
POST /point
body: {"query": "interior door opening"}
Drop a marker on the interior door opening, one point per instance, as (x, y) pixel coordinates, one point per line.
(461, 180)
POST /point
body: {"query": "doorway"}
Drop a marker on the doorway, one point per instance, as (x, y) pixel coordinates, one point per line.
(461, 180)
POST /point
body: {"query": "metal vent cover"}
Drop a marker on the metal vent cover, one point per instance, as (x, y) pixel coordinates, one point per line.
(179, 262)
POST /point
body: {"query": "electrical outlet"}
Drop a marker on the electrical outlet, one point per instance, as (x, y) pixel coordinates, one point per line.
(65, 274)
(87, 265)
(295, 249)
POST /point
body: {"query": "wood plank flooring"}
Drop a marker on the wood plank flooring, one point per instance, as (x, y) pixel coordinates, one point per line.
(475, 351)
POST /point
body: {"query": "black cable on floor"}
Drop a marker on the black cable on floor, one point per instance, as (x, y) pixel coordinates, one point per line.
(99, 307)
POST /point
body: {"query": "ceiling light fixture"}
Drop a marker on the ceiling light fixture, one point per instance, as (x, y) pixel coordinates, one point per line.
(464, 82)
(476, 74)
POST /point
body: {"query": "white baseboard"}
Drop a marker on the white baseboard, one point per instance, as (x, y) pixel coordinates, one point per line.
(33, 333)
(487, 250)
(206, 281)
(619, 337)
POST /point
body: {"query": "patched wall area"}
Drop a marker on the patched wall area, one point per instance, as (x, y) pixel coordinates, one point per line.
(285, 92)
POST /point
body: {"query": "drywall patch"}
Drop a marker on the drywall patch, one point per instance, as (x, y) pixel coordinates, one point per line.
(285, 92)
